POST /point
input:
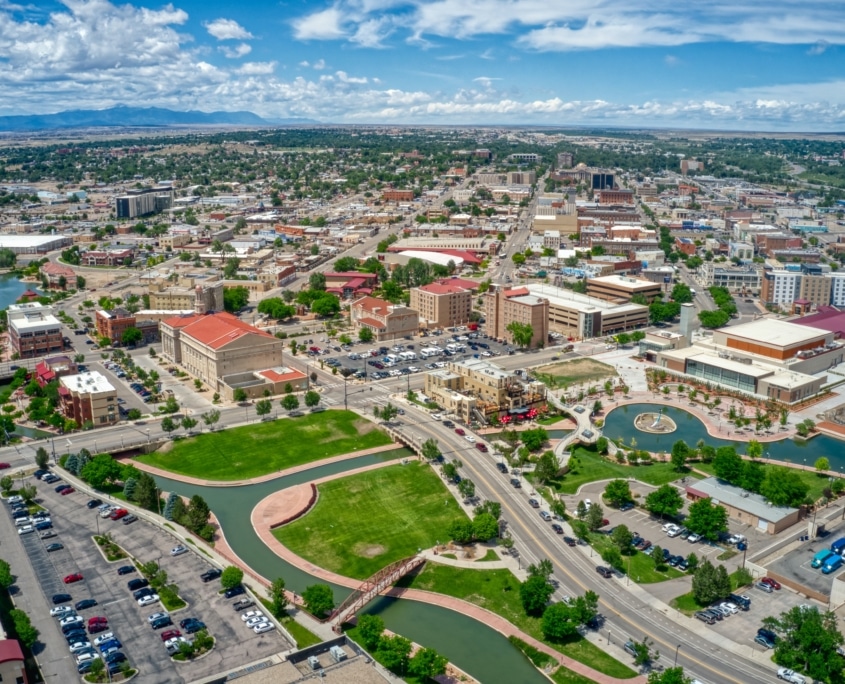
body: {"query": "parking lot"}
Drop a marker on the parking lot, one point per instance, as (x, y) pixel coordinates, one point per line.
(370, 360)
(74, 525)
(796, 563)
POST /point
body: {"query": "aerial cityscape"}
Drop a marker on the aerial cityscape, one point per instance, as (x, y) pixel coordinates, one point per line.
(422, 342)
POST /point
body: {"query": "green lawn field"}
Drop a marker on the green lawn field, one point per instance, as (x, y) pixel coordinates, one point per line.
(498, 591)
(364, 522)
(251, 451)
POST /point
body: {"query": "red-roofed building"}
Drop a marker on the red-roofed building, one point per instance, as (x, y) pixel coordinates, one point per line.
(827, 318)
(350, 283)
(52, 368)
(442, 304)
(386, 321)
(11, 662)
(215, 345)
(54, 272)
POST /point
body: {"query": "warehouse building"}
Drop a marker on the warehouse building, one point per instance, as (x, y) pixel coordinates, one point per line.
(34, 244)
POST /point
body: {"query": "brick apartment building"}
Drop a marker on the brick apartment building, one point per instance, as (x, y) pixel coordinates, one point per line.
(34, 330)
(89, 397)
(441, 304)
(503, 307)
(397, 196)
(114, 323)
(387, 321)
(111, 257)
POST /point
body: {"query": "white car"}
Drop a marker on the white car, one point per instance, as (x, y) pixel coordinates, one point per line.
(106, 512)
(148, 600)
(26, 529)
(71, 620)
(14, 499)
(103, 638)
(694, 538)
(80, 646)
(86, 657)
(62, 612)
(436, 416)
(172, 645)
(729, 607)
(252, 614)
(155, 616)
(470, 438)
(262, 627)
(790, 676)
(178, 550)
(255, 621)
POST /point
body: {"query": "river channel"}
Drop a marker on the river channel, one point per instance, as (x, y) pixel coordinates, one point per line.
(481, 651)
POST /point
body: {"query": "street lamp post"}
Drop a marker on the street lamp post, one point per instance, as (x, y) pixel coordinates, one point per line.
(677, 648)
(148, 435)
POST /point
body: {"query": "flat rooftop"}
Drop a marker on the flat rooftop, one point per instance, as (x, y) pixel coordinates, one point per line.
(623, 282)
(736, 497)
(87, 383)
(20, 241)
(775, 333)
(562, 297)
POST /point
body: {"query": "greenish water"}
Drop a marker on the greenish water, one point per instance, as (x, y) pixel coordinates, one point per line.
(620, 423)
(33, 433)
(481, 651)
(11, 288)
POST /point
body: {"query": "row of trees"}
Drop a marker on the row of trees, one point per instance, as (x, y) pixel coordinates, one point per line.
(394, 652)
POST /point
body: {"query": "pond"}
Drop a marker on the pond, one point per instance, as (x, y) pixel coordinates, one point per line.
(11, 288)
(619, 422)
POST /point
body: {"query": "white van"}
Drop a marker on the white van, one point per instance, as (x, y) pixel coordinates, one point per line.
(408, 356)
(392, 359)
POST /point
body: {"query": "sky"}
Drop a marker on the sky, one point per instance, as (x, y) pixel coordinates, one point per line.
(777, 65)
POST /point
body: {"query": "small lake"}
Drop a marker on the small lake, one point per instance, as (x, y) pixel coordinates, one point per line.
(619, 422)
(11, 288)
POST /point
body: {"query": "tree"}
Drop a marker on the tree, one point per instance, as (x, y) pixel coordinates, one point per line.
(808, 640)
(131, 337)
(431, 450)
(101, 470)
(644, 653)
(7, 579)
(467, 488)
(42, 458)
(522, 333)
(318, 599)
(727, 464)
(822, 464)
(622, 537)
(535, 438)
(146, 492)
(622, 339)
(681, 293)
(317, 281)
(312, 398)
(485, 526)
(617, 492)
(461, 531)
(197, 514)
(27, 634)
(6, 483)
(707, 519)
(535, 593)
(210, 417)
(601, 445)
(27, 492)
(133, 414)
(713, 319)
(546, 468)
(680, 454)
(168, 425)
(263, 407)
(80, 283)
(365, 335)
(754, 449)
(188, 423)
(427, 664)
(560, 622)
(290, 403)
(710, 583)
(581, 510)
(657, 557)
(393, 653)
(231, 577)
(595, 517)
(278, 600)
(370, 629)
(235, 298)
(98, 667)
(784, 487)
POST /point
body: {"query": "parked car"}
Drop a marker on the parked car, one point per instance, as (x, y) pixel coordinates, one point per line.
(242, 604)
(170, 634)
(129, 519)
(162, 622)
(774, 584)
(60, 598)
(211, 574)
(694, 538)
(178, 550)
(103, 638)
(790, 676)
(126, 570)
(604, 572)
(262, 627)
(68, 490)
(61, 611)
(147, 600)
(705, 617)
(251, 614)
(137, 583)
(234, 591)
(762, 586)
(73, 577)
(569, 541)
(93, 503)
(86, 603)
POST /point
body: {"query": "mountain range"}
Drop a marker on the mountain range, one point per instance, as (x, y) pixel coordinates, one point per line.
(123, 116)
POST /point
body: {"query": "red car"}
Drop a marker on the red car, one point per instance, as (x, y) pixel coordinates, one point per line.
(118, 513)
(3, 466)
(66, 491)
(481, 447)
(772, 583)
(170, 634)
(459, 431)
(97, 620)
(75, 577)
(98, 627)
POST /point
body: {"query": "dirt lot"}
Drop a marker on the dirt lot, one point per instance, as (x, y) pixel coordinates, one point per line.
(574, 372)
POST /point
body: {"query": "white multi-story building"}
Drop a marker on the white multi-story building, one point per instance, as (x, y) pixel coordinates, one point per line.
(780, 287)
(837, 288)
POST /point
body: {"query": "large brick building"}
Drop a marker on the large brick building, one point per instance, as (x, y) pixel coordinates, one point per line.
(386, 321)
(441, 304)
(503, 307)
(114, 323)
(34, 330)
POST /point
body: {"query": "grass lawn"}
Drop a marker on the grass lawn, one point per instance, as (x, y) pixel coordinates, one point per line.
(304, 636)
(254, 450)
(498, 592)
(364, 522)
(641, 566)
(587, 466)
(574, 372)
(687, 604)
(813, 480)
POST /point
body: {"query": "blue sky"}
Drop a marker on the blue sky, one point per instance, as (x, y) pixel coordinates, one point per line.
(724, 64)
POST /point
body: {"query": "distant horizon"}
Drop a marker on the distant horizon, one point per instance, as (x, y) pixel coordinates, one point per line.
(720, 66)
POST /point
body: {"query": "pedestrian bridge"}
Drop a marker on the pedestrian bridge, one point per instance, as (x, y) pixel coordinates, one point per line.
(584, 433)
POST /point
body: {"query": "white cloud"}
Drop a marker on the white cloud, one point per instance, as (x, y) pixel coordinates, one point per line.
(819, 48)
(227, 29)
(254, 68)
(319, 65)
(236, 52)
(323, 25)
(671, 60)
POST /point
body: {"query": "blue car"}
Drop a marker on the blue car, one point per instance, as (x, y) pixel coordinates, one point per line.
(111, 643)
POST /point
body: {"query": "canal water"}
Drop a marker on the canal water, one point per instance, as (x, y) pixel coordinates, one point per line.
(11, 288)
(477, 649)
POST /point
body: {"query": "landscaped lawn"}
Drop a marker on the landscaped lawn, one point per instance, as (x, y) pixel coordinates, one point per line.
(251, 451)
(641, 566)
(814, 481)
(588, 466)
(498, 591)
(364, 522)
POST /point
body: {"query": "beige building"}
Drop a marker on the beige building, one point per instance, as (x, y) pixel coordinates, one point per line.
(387, 321)
(187, 295)
(174, 241)
(503, 307)
(476, 388)
(215, 345)
(441, 305)
(816, 289)
(617, 288)
(89, 398)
